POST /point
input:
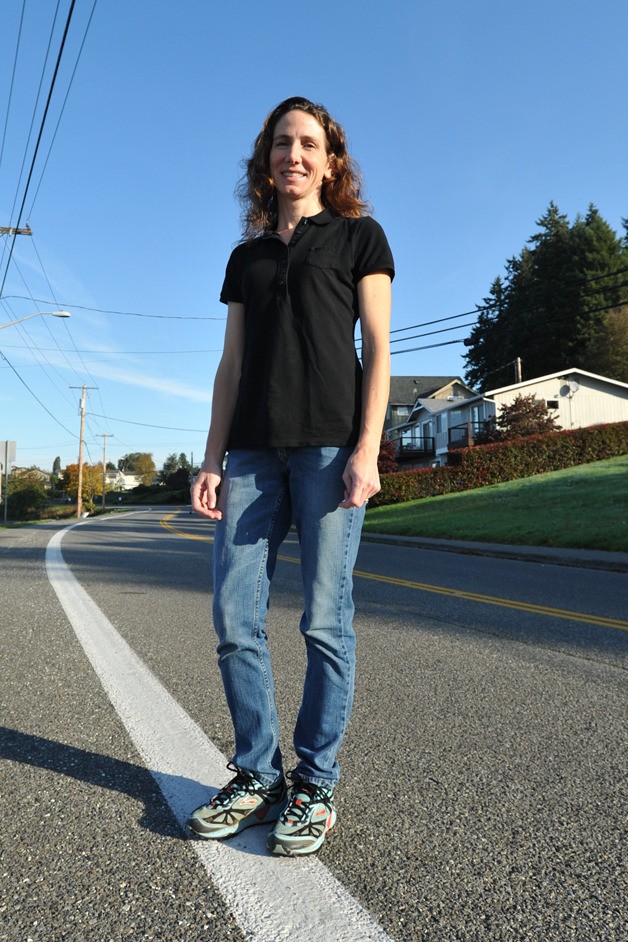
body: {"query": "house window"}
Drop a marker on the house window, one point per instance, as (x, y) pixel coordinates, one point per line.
(399, 414)
(552, 403)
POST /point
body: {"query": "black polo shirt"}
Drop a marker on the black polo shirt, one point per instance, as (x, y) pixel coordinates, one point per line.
(301, 378)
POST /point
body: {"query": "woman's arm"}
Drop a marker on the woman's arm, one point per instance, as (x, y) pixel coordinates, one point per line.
(361, 476)
(224, 401)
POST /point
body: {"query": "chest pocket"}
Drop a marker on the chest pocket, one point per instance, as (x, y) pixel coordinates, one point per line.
(323, 258)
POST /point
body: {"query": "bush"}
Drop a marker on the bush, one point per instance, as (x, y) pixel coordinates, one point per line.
(387, 459)
(469, 468)
(26, 503)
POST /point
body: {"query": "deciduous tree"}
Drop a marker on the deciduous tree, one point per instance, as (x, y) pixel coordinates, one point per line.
(140, 463)
(387, 458)
(524, 416)
(92, 481)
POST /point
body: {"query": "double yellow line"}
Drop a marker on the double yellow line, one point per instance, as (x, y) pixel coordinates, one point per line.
(599, 620)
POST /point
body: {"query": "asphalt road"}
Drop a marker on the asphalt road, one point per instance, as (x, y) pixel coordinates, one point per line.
(484, 774)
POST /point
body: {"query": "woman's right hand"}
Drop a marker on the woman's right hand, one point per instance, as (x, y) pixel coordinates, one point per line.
(203, 493)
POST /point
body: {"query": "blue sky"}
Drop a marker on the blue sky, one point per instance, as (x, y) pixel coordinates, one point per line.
(466, 116)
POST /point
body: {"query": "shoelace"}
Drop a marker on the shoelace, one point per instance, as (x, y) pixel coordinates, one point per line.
(305, 794)
(243, 783)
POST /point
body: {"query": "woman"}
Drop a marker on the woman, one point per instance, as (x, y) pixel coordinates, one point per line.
(301, 421)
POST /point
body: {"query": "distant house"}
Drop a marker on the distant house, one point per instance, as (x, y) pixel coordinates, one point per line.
(424, 398)
(406, 391)
(574, 397)
(120, 481)
(35, 473)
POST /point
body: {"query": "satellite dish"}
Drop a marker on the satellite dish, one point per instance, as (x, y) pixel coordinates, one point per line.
(574, 386)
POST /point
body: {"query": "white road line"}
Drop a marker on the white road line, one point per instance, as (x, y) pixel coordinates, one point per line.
(272, 898)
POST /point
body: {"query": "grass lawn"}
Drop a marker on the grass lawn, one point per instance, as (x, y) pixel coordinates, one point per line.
(584, 507)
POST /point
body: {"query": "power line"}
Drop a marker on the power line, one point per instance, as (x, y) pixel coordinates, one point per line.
(170, 428)
(544, 324)
(67, 329)
(100, 310)
(430, 333)
(205, 317)
(429, 346)
(32, 346)
(30, 129)
(15, 58)
(45, 408)
(560, 290)
(63, 106)
(39, 137)
(118, 353)
(36, 353)
(489, 307)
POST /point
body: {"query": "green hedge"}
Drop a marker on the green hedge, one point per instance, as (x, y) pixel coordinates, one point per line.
(505, 461)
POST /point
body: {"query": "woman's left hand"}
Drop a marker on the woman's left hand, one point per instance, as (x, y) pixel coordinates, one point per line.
(361, 479)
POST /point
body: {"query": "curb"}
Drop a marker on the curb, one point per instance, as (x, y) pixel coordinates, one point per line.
(555, 556)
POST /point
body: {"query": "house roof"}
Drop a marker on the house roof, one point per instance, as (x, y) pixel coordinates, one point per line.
(571, 371)
(437, 405)
(559, 373)
(407, 389)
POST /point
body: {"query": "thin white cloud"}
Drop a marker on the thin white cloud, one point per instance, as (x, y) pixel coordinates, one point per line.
(170, 387)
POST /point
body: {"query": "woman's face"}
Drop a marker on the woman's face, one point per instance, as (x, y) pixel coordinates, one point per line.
(299, 162)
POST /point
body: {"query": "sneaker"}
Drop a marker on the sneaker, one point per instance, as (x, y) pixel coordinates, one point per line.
(304, 824)
(245, 801)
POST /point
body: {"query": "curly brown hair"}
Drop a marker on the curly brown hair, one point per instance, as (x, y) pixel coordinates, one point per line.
(256, 190)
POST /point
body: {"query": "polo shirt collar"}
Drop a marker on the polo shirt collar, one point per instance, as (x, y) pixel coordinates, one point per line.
(320, 219)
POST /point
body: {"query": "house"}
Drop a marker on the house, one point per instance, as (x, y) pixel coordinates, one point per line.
(34, 473)
(574, 397)
(426, 396)
(120, 481)
(405, 391)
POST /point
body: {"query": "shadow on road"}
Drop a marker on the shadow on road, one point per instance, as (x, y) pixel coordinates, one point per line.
(167, 798)
(104, 772)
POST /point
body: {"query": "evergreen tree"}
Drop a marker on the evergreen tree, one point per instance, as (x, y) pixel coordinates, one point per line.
(485, 337)
(56, 472)
(607, 352)
(552, 309)
(170, 465)
(178, 480)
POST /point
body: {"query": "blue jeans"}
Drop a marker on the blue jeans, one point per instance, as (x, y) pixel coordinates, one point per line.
(264, 491)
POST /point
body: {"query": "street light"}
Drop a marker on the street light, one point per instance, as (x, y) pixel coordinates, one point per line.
(36, 314)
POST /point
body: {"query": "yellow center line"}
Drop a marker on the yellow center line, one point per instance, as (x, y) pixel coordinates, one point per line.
(599, 620)
(165, 523)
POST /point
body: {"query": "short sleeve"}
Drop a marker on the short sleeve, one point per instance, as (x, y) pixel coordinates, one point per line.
(371, 251)
(232, 285)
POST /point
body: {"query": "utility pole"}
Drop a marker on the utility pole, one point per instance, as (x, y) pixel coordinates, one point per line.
(518, 370)
(79, 496)
(11, 230)
(104, 436)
